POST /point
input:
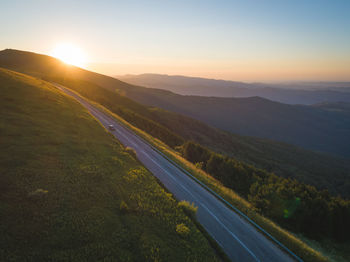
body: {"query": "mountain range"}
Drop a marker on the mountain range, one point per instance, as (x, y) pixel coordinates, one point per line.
(291, 93)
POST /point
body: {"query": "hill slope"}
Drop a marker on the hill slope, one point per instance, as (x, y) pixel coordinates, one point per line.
(290, 94)
(320, 170)
(305, 126)
(70, 192)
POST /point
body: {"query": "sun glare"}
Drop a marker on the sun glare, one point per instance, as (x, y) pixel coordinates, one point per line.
(69, 54)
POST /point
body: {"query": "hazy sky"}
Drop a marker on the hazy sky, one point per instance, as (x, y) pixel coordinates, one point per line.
(261, 40)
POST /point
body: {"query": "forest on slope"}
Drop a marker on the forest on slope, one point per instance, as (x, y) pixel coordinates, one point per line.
(297, 206)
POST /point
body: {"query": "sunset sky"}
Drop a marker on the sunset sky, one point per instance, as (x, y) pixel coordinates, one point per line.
(262, 40)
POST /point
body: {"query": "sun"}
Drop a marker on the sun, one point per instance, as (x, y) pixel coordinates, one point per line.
(69, 54)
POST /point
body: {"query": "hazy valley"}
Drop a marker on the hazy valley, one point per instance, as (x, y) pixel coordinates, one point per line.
(307, 93)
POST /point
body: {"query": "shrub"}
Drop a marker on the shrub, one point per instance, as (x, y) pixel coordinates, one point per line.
(124, 206)
(182, 229)
(38, 193)
(199, 165)
(131, 152)
(189, 208)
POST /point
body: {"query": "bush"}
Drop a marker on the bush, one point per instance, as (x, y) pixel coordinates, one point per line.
(182, 229)
(199, 165)
(189, 208)
(131, 152)
(38, 193)
(124, 206)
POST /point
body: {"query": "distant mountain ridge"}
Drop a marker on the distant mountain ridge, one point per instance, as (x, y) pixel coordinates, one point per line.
(290, 93)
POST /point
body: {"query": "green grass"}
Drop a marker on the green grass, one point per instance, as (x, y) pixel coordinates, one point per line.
(71, 192)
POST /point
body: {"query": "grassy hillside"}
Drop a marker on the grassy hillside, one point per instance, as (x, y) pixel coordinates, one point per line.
(317, 169)
(70, 192)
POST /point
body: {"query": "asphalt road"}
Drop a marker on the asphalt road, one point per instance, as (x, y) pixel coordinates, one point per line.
(240, 240)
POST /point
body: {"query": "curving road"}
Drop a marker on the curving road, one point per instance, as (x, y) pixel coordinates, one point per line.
(240, 240)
